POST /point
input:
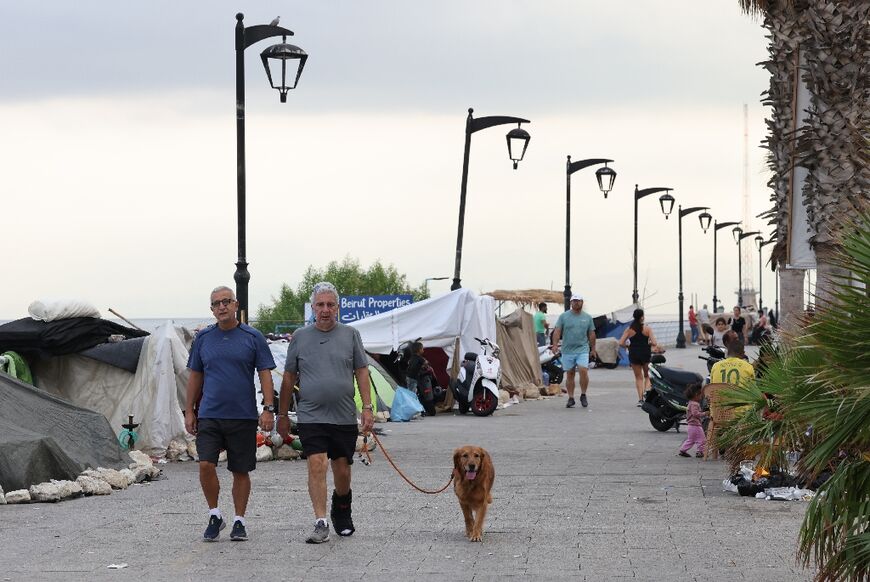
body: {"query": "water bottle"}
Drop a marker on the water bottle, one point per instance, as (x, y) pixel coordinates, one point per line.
(546, 377)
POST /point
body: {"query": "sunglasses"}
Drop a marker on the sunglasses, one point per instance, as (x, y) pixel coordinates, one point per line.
(224, 302)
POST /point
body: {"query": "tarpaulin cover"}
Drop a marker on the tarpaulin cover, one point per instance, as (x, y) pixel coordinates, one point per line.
(155, 394)
(43, 437)
(520, 363)
(439, 322)
(63, 336)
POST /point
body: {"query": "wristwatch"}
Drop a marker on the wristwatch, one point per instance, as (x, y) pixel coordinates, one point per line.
(269, 408)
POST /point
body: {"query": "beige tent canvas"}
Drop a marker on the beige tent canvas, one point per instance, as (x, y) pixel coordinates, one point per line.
(520, 363)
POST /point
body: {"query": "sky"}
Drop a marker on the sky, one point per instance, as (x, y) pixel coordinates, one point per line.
(119, 141)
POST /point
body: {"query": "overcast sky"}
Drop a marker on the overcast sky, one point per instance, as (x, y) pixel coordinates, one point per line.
(118, 146)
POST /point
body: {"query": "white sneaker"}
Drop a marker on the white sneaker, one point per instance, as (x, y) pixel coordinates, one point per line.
(514, 400)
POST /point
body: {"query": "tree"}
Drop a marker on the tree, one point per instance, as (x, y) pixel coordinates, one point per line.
(348, 277)
(814, 397)
(823, 44)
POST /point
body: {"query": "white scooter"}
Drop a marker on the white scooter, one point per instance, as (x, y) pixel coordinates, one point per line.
(480, 392)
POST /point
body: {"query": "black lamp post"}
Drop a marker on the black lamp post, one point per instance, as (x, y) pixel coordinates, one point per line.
(282, 54)
(517, 141)
(739, 235)
(760, 242)
(638, 194)
(605, 176)
(704, 219)
(716, 227)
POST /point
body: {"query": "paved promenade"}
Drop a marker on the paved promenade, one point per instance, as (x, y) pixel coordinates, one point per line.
(580, 494)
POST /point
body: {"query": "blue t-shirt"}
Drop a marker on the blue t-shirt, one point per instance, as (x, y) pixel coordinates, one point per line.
(575, 331)
(227, 360)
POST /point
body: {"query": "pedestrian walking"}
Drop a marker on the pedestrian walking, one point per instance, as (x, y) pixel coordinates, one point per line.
(704, 324)
(577, 332)
(640, 339)
(542, 326)
(694, 416)
(739, 325)
(323, 359)
(693, 324)
(222, 362)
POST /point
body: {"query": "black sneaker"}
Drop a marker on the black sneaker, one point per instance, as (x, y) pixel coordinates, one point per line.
(570, 403)
(583, 402)
(699, 455)
(684, 454)
(320, 534)
(213, 531)
(239, 533)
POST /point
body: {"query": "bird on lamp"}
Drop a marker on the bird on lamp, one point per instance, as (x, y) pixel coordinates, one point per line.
(275, 22)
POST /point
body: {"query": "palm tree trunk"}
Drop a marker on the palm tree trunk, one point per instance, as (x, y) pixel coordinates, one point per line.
(791, 298)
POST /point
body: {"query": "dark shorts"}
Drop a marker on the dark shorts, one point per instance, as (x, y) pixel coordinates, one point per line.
(237, 437)
(639, 359)
(336, 440)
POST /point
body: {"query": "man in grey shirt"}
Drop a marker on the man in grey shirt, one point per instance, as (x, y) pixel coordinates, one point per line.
(323, 360)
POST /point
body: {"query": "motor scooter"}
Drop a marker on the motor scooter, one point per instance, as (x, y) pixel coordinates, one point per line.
(476, 386)
(665, 402)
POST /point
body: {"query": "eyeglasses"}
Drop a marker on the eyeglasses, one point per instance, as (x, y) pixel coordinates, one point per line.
(224, 302)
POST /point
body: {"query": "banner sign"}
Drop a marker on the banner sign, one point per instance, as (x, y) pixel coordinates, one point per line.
(356, 307)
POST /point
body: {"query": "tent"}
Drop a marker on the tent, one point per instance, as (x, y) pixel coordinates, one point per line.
(520, 362)
(142, 376)
(43, 437)
(449, 322)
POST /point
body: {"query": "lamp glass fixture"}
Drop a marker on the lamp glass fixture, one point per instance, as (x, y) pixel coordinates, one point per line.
(606, 177)
(736, 232)
(667, 203)
(283, 61)
(517, 142)
(759, 242)
(705, 218)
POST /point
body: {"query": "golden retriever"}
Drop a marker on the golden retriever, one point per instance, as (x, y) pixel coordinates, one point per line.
(474, 475)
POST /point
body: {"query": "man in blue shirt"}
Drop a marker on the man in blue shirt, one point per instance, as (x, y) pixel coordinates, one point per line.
(577, 332)
(222, 363)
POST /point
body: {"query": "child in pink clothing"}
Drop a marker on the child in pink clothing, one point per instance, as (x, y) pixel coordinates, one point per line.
(694, 416)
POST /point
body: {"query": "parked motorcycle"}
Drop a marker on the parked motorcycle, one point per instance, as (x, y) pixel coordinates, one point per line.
(476, 387)
(551, 365)
(714, 354)
(665, 402)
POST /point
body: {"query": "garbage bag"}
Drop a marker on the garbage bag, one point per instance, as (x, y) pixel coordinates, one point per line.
(406, 405)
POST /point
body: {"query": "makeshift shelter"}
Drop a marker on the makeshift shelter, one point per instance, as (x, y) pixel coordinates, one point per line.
(43, 437)
(520, 362)
(450, 322)
(530, 297)
(143, 376)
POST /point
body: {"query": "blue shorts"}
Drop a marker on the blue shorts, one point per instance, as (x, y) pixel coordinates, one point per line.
(571, 361)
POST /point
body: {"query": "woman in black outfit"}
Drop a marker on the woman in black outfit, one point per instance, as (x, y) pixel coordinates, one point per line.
(640, 340)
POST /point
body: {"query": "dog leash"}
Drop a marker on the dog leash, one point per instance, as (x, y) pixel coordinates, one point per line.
(399, 471)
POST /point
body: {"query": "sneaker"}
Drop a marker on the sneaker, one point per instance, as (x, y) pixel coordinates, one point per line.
(570, 403)
(699, 455)
(213, 531)
(320, 534)
(239, 533)
(583, 402)
(639, 403)
(684, 454)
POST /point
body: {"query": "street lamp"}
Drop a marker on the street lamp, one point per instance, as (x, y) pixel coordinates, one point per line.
(739, 235)
(281, 54)
(605, 176)
(517, 141)
(716, 227)
(760, 242)
(638, 194)
(426, 282)
(704, 219)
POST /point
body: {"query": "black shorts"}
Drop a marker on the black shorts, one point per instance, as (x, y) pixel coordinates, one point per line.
(639, 359)
(237, 437)
(336, 440)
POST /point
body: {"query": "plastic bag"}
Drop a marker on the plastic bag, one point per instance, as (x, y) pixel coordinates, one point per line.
(406, 405)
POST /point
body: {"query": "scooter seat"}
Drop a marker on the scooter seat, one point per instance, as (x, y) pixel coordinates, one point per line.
(681, 377)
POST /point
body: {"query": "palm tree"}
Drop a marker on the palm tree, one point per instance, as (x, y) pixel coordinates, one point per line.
(822, 45)
(815, 397)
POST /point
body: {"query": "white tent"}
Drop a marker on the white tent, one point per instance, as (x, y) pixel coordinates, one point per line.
(438, 321)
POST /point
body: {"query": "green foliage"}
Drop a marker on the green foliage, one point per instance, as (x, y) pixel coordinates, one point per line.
(821, 379)
(348, 276)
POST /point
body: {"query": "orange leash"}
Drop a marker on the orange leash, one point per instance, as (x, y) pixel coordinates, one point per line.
(399, 471)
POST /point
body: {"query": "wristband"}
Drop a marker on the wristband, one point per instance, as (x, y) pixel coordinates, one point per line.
(368, 407)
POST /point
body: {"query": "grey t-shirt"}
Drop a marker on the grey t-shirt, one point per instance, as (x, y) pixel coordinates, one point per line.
(324, 362)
